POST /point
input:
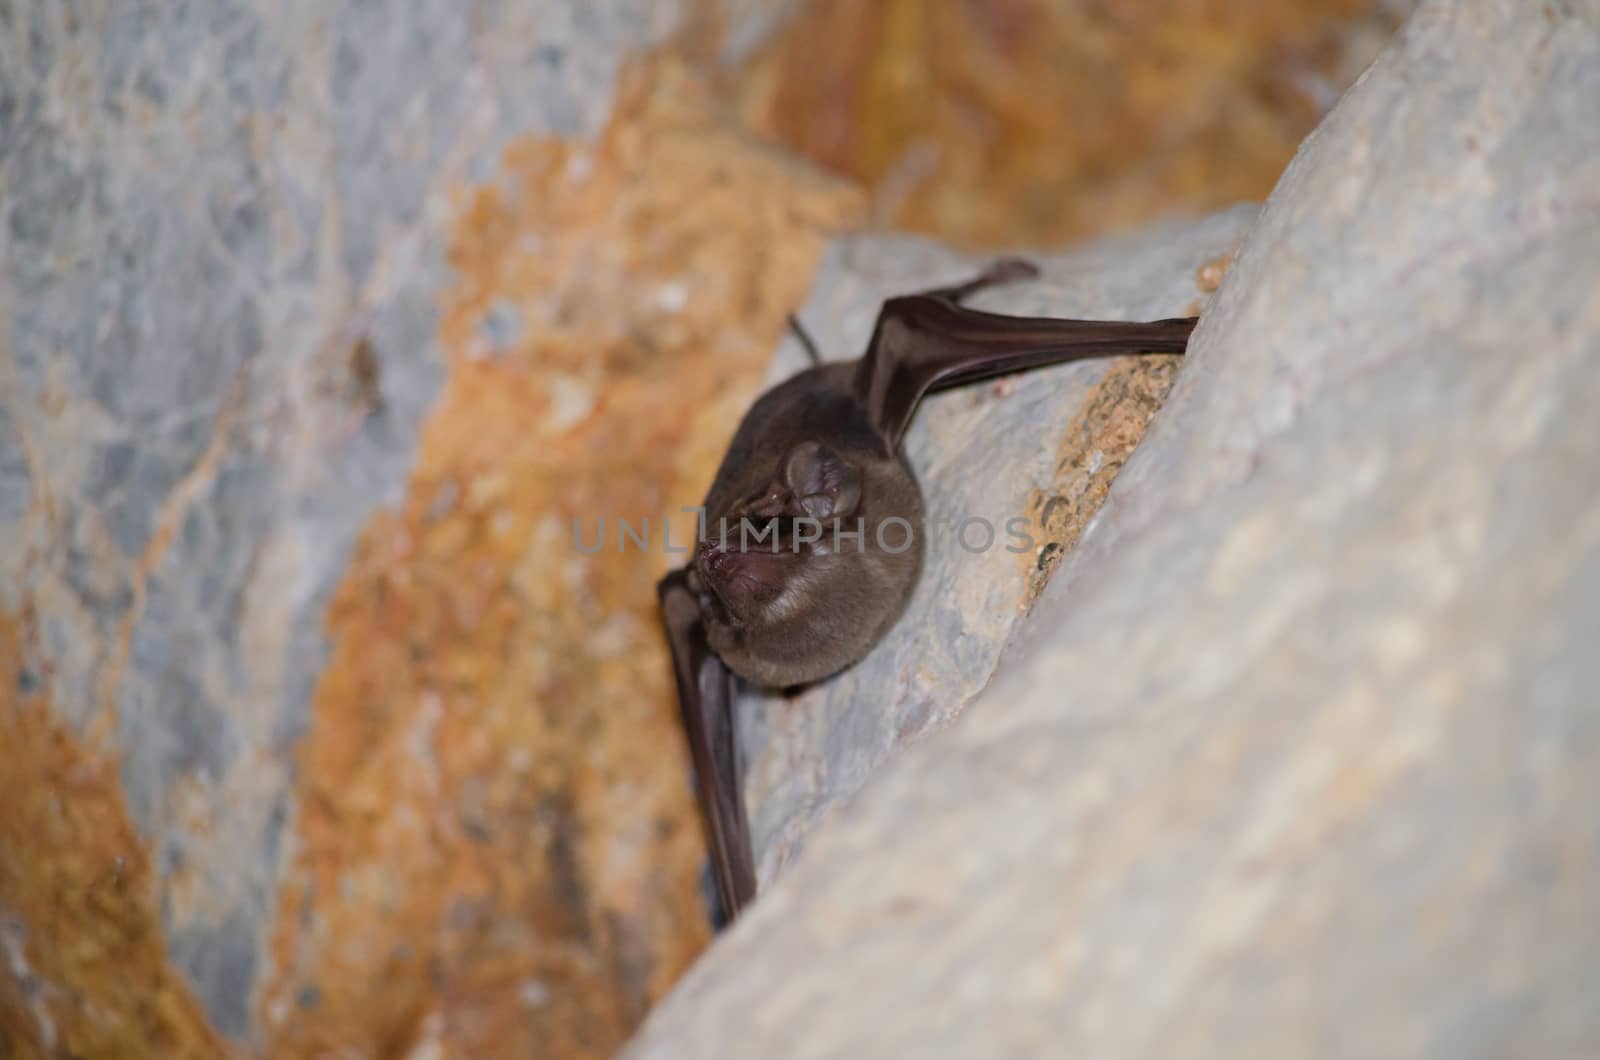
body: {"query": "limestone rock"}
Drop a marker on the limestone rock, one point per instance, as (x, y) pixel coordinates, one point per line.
(1296, 755)
(223, 243)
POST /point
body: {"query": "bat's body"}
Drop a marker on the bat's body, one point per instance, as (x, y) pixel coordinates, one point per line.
(812, 540)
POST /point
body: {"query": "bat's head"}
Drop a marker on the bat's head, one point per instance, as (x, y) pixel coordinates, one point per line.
(808, 563)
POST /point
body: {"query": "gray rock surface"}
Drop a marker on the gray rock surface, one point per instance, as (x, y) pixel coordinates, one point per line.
(207, 208)
(1297, 754)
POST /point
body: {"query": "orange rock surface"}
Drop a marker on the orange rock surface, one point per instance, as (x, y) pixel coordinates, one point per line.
(83, 965)
(1034, 122)
(498, 853)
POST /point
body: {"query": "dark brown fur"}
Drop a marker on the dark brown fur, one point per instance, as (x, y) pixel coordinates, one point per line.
(819, 456)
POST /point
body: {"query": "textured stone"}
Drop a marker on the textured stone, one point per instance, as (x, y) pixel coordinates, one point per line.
(223, 241)
(986, 123)
(316, 322)
(1296, 755)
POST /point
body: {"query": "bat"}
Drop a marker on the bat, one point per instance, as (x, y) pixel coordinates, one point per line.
(810, 538)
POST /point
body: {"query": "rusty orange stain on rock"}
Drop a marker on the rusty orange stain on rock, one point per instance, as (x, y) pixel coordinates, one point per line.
(1036, 121)
(496, 846)
(1100, 439)
(83, 963)
(1208, 277)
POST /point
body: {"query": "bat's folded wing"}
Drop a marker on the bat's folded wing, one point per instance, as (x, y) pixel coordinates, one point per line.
(706, 691)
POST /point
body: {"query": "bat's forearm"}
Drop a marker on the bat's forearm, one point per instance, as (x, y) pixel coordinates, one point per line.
(925, 343)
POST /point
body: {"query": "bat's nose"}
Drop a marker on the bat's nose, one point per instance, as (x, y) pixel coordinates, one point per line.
(710, 556)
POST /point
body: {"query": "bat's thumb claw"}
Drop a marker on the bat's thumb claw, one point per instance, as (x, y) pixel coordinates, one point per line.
(1011, 270)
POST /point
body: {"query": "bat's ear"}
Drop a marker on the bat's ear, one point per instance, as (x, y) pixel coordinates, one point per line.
(824, 484)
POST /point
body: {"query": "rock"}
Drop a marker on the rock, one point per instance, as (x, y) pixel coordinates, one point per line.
(1296, 755)
(1047, 121)
(225, 235)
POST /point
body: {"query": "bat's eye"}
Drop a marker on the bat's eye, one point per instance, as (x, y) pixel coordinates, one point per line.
(760, 533)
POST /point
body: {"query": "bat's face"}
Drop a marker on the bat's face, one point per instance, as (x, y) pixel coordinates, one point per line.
(808, 565)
